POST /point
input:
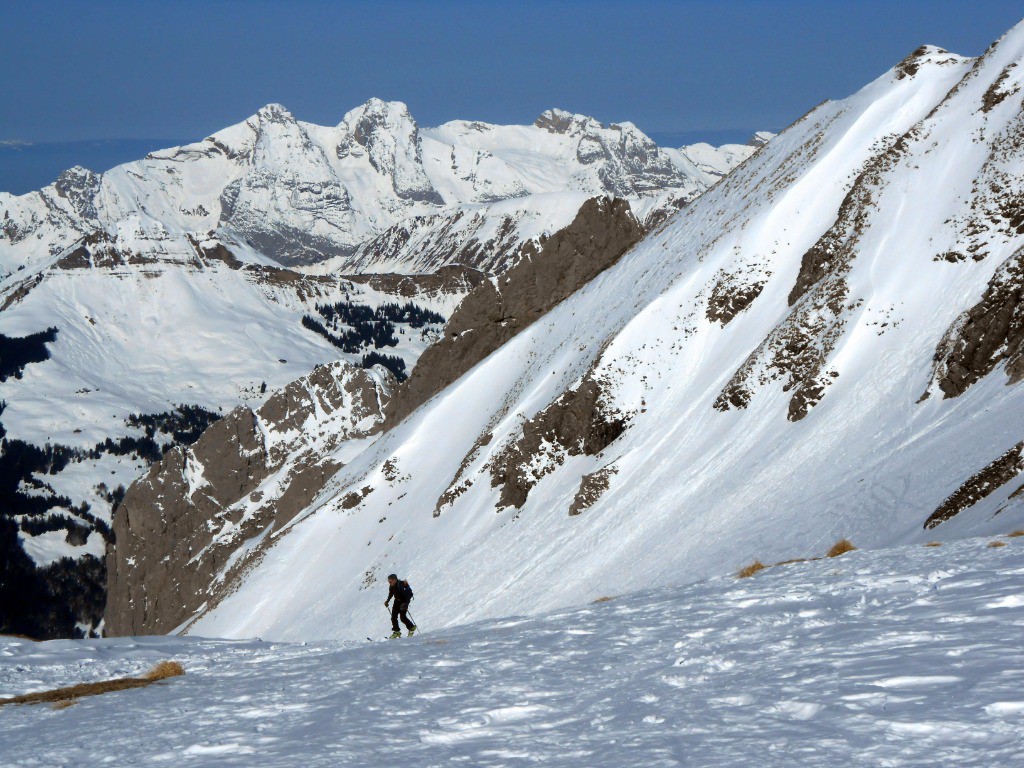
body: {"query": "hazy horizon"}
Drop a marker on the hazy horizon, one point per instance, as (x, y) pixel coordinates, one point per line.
(84, 75)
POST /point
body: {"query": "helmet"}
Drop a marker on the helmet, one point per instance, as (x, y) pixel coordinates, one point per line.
(392, 576)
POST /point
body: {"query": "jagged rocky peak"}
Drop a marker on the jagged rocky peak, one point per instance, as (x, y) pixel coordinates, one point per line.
(390, 139)
(268, 125)
(563, 122)
(627, 162)
(79, 186)
(76, 178)
(375, 114)
(923, 56)
(273, 113)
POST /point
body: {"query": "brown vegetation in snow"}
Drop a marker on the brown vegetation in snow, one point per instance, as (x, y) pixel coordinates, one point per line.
(65, 697)
(841, 547)
(750, 570)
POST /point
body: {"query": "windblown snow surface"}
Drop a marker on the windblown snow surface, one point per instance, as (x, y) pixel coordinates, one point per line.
(901, 657)
(758, 378)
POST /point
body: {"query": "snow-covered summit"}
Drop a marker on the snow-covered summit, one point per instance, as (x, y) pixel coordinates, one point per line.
(302, 193)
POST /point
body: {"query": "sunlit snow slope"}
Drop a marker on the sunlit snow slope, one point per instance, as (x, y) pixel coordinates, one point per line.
(903, 657)
(806, 352)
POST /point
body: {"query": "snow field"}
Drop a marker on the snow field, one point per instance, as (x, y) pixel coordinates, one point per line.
(901, 657)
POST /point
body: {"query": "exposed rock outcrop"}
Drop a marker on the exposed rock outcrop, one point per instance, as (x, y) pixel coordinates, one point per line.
(579, 422)
(592, 487)
(979, 485)
(452, 279)
(987, 335)
(603, 230)
(199, 514)
(733, 292)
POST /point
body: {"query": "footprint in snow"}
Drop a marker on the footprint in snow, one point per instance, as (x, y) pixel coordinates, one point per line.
(1011, 601)
(481, 725)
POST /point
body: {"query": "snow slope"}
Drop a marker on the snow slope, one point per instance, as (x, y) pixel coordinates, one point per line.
(902, 657)
(749, 380)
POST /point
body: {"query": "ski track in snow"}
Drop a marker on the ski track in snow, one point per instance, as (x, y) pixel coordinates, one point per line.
(902, 657)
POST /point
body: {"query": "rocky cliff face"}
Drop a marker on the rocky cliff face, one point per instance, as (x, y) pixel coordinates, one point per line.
(204, 512)
(602, 231)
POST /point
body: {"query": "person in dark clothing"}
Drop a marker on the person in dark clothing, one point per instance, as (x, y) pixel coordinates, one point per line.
(402, 594)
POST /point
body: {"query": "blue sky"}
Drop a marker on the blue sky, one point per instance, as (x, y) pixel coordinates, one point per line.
(76, 70)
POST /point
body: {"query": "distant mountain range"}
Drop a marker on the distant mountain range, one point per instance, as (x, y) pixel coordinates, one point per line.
(26, 166)
(300, 193)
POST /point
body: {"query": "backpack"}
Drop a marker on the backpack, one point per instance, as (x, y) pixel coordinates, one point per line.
(404, 591)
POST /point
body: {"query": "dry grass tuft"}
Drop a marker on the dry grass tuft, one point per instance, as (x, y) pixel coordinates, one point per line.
(934, 544)
(750, 570)
(65, 697)
(1015, 534)
(165, 669)
(604, 599)
(997, 543)
(841, 547)
(63, 704)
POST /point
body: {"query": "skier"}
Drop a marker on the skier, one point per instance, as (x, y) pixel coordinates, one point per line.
(402, 593)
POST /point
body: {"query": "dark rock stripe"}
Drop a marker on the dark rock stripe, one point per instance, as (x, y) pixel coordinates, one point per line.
(979, 485)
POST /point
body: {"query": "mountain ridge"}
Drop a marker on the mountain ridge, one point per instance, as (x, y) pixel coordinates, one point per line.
(807, 294)
(302, 193)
